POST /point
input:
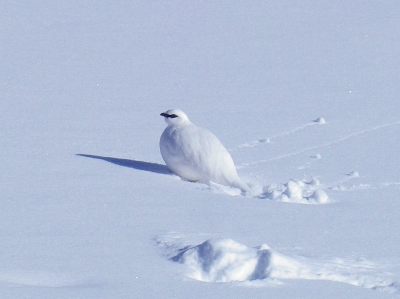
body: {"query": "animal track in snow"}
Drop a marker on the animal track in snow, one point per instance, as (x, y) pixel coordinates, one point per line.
(301, 191)
(343, 185)
(326, 144)
(355, 187)
(318, 121)
(225, 260)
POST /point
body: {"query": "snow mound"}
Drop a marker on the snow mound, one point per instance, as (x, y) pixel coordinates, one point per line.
(297, 191)
(320, 121)
(317, 156)
(225, 260)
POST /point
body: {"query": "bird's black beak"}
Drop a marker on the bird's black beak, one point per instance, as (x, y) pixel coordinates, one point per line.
(164, 114)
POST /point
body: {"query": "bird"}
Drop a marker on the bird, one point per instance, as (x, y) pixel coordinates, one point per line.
(195, 154)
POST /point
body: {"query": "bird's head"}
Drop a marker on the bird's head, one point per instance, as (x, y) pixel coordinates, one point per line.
(175, 117)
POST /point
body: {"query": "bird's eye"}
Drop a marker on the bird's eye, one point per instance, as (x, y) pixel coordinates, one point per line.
(172, 115)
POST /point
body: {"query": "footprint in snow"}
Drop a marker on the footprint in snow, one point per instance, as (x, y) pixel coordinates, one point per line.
(318, 121)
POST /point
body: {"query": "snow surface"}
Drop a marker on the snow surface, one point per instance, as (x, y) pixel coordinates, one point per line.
(304, 95)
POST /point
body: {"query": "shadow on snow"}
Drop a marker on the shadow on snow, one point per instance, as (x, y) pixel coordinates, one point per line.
(140, 165)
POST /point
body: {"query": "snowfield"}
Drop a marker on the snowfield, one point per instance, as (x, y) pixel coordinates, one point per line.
(303, 94)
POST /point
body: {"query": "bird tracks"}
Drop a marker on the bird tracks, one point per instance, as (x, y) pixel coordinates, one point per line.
(309, 191)
(318, 121)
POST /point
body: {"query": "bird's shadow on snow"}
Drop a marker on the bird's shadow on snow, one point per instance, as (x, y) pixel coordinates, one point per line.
(140, 165)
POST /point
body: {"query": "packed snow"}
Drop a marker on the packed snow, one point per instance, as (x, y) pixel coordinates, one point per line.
(303, 95)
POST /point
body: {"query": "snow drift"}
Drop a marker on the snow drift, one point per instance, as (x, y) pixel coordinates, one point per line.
(225, 260)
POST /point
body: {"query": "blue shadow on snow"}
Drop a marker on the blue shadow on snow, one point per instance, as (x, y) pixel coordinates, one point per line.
(140, 165)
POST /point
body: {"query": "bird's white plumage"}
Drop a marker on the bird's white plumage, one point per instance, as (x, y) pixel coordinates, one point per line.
(196, 154)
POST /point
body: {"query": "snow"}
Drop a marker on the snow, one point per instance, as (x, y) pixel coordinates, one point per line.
(303, 94)
(298, 191)
(224, 260)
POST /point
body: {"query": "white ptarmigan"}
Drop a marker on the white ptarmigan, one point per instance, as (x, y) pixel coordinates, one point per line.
(195, 154)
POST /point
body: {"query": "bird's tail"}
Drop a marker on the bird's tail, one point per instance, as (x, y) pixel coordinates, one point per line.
(242, 185)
